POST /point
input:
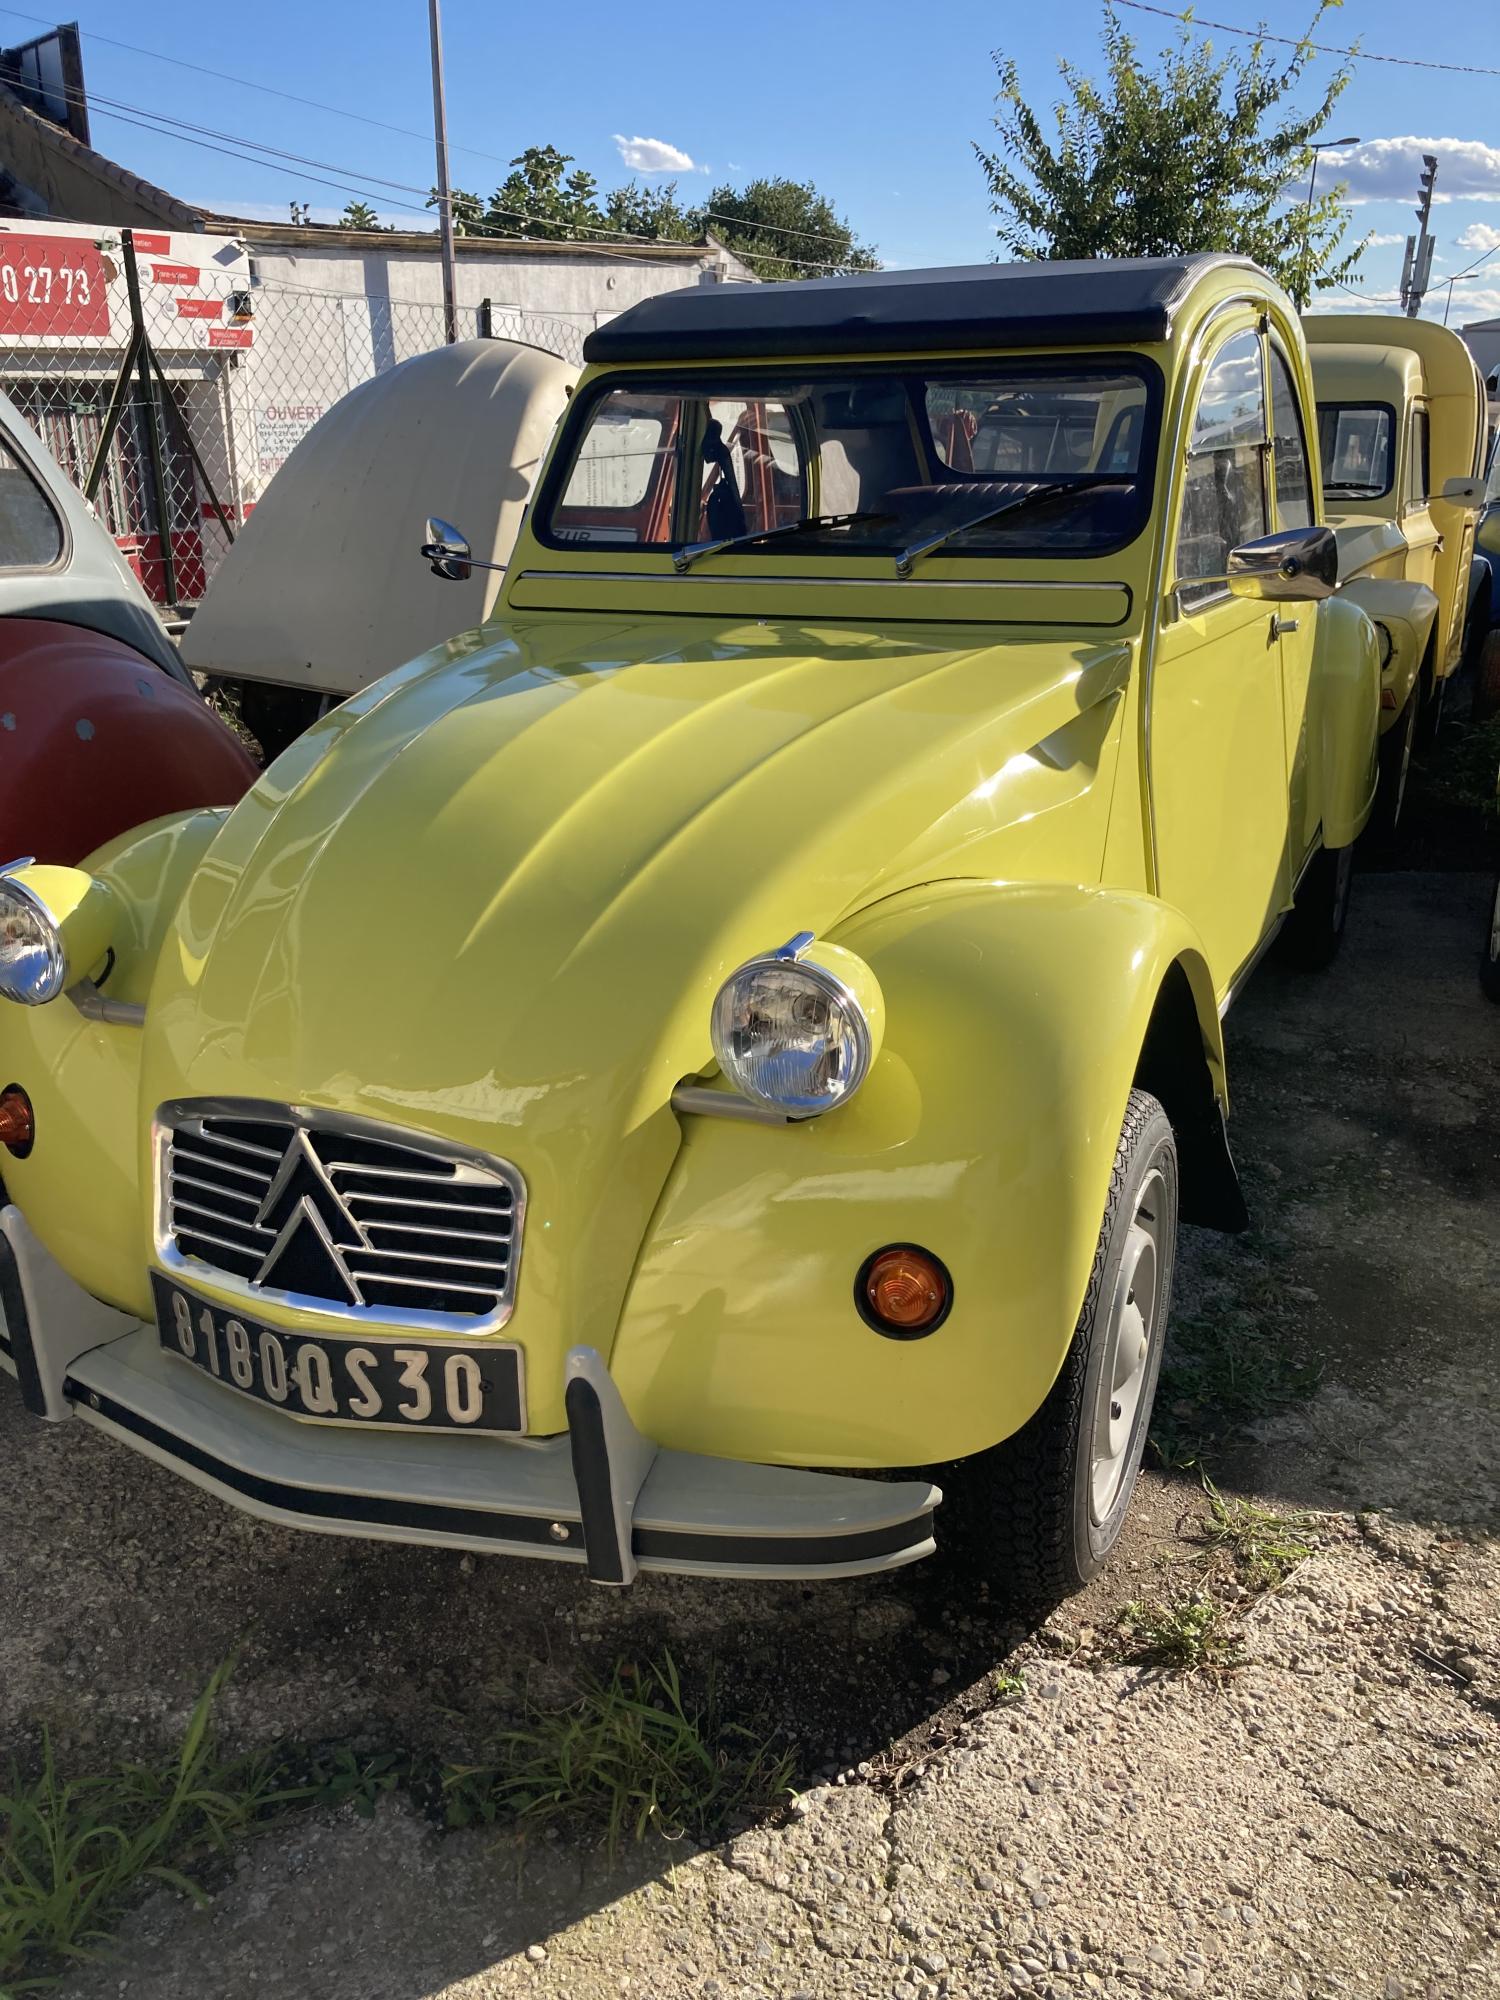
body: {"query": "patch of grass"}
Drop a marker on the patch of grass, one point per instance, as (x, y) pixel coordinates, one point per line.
(1221, 1373)
(1186, 1636)
(1264, 1546)
(625, 1758)
(1009, 1687)
(74, 1850)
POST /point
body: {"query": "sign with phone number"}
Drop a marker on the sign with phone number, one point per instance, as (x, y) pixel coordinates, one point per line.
(52, 285)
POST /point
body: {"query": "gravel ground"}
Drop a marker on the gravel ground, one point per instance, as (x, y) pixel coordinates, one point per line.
(1323, 1821)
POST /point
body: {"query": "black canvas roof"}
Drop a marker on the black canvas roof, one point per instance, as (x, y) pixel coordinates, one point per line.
(1124, 300)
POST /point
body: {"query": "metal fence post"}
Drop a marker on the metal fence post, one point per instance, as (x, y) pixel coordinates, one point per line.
(147, 381)
(486, 319)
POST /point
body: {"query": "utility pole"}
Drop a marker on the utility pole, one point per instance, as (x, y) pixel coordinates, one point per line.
(1417, 267)
(445, 193)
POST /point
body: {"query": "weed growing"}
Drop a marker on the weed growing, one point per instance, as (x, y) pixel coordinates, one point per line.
(74, 1850)
(1264, 1546)
(1009, 1687)
(1187, 1636)
(625, 1758)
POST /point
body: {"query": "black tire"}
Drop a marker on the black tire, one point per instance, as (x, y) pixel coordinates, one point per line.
(1489, 955)
(1486, 701)
(1395, 764)
(1314, 929)
(1028, 1504)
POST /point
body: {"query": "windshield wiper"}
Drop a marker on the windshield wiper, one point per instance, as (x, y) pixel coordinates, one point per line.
(684, 558)
(908, 558)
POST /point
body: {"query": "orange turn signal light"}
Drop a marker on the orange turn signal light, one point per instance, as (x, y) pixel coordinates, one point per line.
(17, 1124)
(903, 1291)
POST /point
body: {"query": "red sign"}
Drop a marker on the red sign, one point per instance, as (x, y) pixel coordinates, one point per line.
(200, 308)
(149, 245)
(175, 274)
(231, 336)
(52, 284)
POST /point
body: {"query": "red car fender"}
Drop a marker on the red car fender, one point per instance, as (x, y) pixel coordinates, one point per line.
(96, 739)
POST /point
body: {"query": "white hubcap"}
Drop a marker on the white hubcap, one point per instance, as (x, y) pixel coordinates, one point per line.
(1132, 1331)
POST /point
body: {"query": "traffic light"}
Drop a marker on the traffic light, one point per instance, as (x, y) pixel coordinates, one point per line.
(1424, 187)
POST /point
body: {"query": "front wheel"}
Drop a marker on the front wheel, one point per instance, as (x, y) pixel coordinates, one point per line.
(1314, 929)
(1489, 958)
(1048, 1504)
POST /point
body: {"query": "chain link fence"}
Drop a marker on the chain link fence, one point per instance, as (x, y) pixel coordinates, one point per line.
(172, 401)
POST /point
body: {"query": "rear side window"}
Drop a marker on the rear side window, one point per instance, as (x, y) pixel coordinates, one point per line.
(1357, 444)
(31, 536)
(1419, 461)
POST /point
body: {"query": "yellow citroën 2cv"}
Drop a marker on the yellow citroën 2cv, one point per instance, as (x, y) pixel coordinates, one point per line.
(748, 1016)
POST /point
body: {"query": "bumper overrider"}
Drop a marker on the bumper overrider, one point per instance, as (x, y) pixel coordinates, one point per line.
(600, 1493)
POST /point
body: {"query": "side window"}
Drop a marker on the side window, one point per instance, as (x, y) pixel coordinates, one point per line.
(1224, 485)
(1419, 460)
(31, 535)
(1289, 447)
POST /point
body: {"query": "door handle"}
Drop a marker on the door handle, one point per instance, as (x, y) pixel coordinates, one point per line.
(1281, 626)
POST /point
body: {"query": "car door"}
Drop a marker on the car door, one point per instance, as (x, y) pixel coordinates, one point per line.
(1218, 767)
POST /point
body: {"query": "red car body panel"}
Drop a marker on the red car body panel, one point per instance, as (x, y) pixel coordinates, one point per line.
(95, 739)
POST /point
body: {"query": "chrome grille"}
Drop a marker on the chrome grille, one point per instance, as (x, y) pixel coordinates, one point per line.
(338, 1214)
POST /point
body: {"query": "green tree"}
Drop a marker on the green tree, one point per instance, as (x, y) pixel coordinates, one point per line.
(360, 215)
(654, 212)
(1193, 153)
(785, 229)
(468, 209)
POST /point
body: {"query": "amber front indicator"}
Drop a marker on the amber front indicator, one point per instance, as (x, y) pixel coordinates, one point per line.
(17, 1127)
(903, 1291)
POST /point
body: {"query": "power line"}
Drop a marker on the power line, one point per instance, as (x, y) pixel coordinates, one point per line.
(379, 124)
(292, 163)
(248, 83)
(1300, 42)
(232, 146)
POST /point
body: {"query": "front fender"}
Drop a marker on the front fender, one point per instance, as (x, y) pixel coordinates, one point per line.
(1408, 611)
(1343, 718)
(1016, 1017)
(79, 1187)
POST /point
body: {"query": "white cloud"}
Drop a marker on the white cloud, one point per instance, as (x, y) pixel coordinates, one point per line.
(1379, 240)
(1387, 169)
(1480, 236)
(656, 156)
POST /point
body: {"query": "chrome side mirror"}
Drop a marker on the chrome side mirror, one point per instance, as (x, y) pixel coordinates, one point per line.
(1296, 565)
(446, 550)
(1462, 492)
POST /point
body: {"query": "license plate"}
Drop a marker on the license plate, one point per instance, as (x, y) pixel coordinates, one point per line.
(393, 1383)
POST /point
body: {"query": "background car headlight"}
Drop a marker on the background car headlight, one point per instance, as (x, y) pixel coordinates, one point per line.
(1386, 643)
(55, 928)
(797, 1029)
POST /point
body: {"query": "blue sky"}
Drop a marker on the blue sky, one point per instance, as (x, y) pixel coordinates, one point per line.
(878, 104)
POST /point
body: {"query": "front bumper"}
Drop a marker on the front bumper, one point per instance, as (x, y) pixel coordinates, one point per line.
(599, 1494)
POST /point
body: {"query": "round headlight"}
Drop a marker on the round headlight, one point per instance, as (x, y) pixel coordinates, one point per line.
(1386, 643)
(33, 964)
(798, 1028)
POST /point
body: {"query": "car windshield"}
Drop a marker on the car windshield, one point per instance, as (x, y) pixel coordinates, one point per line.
(994, 458)
(1357, 443)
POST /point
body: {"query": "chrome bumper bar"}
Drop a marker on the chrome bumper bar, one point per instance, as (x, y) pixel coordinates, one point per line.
(600, 1494)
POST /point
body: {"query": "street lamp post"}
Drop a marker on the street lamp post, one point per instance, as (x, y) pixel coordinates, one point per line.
(1315, 146)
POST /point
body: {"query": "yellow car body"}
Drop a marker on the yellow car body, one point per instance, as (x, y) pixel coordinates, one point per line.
(1056, 809)
(1405, 399)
